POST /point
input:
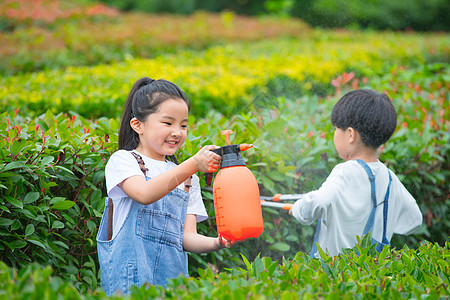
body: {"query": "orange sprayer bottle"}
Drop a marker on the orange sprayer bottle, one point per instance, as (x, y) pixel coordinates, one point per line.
(236, 196)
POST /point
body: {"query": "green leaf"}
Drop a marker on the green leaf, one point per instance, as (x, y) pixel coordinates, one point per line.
(5, 222)
(30, 212)
(383, 253)
(247, 263)
(61, 244)
(63, 205)
(91, 225)
(98, 176)
(280, 246)
(323, 255)
(2, 207)
(64, 169)
(18, 147)
(12, 165)
(17, 244)
(31, 197)
(55, 200)
(37, 242)
(29, 230)
(57, 225)
(47, 160)
(15, 202)
(16, 225)
(268, 184)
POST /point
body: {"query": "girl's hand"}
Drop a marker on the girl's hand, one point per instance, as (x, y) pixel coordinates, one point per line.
(222, 243)
(207, 161)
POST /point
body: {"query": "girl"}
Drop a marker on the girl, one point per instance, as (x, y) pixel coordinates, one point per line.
(153, 206)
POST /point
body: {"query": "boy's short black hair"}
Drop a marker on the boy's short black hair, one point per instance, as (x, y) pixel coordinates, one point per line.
(370, 113)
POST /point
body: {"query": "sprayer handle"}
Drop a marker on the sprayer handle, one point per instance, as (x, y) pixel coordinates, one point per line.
(209, 176)
(218, 151)
(224, 240)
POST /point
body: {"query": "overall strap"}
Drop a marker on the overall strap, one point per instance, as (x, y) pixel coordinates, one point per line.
(370, 221)
(314, 246)
(140, 161)
(187, 182)
(110, 218)
(110, 202)
(385, 209)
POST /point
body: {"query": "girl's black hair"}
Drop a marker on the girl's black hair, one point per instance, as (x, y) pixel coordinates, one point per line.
(370, 113)
(144, 99)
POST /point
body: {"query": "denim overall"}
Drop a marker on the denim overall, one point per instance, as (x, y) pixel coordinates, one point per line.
(147, 248)
(370, 221)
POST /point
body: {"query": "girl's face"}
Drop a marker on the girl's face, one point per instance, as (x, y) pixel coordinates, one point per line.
(164, 131)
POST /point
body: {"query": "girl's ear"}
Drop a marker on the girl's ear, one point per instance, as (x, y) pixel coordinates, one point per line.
(136, 125)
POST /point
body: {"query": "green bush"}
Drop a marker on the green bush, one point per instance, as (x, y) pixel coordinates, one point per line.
(223, 78)
(51, 182)
(423, 159)
(82, 40)
(359, 273)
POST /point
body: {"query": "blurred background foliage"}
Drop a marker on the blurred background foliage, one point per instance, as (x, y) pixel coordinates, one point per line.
(48, 34)
(376, 14)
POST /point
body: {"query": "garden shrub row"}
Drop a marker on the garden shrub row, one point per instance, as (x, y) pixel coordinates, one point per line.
(228, 78)
(52, 170)
(59, 33)
(51, 181)
(359, 273)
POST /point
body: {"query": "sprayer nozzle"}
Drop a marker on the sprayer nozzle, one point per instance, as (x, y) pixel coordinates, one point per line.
(244, 147)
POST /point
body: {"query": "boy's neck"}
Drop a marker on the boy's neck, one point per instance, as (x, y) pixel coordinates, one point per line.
(364, 153)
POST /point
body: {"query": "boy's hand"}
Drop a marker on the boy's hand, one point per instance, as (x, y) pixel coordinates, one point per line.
(207, 161)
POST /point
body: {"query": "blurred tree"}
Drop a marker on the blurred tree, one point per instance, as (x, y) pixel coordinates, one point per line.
(378, 14)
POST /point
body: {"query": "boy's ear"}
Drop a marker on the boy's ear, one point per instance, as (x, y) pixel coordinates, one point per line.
(136, 125)
(352, 134)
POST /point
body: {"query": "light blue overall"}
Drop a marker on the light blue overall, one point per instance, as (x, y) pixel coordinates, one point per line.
(370, 221)
(148, 246)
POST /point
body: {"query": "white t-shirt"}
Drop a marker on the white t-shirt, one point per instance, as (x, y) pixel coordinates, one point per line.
(122, 165)
(344, 202)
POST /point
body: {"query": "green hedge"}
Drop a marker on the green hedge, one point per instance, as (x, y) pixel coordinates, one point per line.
(227, 78)
(359, 273)
(33, 42)
(52, 186)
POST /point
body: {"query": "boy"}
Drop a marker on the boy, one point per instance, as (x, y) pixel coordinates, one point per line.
(363, 121)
